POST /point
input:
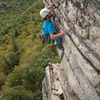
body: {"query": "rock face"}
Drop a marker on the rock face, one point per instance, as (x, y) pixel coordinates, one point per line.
(78, 75)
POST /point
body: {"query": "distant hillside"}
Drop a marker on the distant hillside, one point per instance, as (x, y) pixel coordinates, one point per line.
(10, 11)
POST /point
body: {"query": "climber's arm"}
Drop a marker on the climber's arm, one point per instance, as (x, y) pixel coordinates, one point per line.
(52, 35)
(51, 31)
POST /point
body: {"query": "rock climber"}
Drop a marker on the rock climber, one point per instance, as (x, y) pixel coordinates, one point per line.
(50, 66)
(48, 27)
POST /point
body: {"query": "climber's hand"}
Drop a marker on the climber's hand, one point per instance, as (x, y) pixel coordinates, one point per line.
(50, 6)
(62, 32)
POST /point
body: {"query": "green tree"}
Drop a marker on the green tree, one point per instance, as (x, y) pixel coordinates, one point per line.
(14, 43)
(32, 75)
(18, 93)
(2, 79)
(9, 60)
(15, 78)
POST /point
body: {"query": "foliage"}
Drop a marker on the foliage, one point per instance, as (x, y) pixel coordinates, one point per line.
(2, 79)
(22, 56)
(15, 78)
(8, 61)
(18, 93)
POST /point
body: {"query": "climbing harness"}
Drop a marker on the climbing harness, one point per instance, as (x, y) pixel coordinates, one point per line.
(44, 38)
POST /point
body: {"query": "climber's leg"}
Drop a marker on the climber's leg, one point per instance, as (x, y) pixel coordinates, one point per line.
(59, 42)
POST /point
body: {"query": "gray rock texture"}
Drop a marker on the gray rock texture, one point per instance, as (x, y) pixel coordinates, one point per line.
(79, 71)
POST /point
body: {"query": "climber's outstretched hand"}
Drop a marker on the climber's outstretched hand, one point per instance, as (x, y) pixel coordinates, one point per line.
(62, 32)
(51, 5)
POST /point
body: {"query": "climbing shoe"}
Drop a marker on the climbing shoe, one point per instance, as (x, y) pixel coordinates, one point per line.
(60, 47)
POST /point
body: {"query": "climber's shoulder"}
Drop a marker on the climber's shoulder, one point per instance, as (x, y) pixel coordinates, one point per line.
(48, 22)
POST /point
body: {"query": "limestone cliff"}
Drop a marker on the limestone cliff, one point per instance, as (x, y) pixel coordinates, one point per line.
(78, 75)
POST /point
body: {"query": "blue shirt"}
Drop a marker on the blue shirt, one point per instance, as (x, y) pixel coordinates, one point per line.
(48, 27)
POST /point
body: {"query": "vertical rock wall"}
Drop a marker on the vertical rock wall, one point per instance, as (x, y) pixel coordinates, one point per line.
(81, 60)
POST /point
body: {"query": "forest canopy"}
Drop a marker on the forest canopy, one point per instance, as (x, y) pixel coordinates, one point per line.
(22, 56)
